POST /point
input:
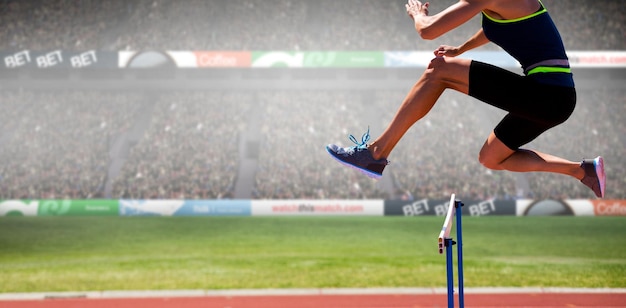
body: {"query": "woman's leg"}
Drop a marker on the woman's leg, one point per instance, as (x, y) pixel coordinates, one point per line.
(371, 159)
(442, 73)
(454, 73)
(497, 156)
(519, 126)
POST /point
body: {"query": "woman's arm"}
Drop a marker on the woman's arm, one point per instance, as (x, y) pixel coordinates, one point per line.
(475, 41)
(431, 27)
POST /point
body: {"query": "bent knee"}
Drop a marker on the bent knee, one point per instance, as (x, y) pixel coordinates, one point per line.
(438, 67)
(451, 72)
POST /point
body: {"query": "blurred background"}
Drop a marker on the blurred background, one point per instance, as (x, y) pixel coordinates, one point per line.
(137, 123)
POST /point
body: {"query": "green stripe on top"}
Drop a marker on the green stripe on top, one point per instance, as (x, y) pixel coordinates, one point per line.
(543, 10)
(549, 69)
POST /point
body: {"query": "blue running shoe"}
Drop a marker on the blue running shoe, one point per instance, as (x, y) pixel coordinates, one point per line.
(595, 178)
(359, 157)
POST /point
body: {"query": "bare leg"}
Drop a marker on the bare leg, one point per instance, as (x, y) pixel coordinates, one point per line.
(497, 156)
(442, 73)
(452, 73)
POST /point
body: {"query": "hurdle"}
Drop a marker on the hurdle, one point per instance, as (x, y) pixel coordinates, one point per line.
(445, 242)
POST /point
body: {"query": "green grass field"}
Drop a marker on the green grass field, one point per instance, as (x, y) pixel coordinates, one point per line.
(139, 253)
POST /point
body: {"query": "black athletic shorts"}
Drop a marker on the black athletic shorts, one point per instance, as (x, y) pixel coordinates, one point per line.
(533, 107)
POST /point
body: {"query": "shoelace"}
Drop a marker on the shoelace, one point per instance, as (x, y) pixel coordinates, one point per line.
(364, 139)
(363, 144)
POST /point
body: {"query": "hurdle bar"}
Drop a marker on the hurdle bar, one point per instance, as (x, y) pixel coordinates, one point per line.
(445, 241)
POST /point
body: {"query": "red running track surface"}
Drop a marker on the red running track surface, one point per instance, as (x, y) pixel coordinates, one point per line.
(335, 301)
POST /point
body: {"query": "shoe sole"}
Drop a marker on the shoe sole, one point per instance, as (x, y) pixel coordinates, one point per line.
(598, 164)
(370, 174)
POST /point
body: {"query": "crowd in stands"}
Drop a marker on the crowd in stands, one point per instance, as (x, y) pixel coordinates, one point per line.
(66, 143)
(54, 144)
(268, 25)
(189, 150)
(293, 162)
(58, 144)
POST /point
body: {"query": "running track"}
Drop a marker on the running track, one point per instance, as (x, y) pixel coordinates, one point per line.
(324, 298)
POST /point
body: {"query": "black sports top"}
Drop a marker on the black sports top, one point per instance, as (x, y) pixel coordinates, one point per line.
(535, 43)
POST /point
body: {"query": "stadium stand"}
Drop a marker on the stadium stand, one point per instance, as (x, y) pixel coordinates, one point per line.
(62, 144)
(268, 25)
(261, 144)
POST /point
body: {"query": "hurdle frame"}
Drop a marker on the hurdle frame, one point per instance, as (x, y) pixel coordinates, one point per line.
(446, 242)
